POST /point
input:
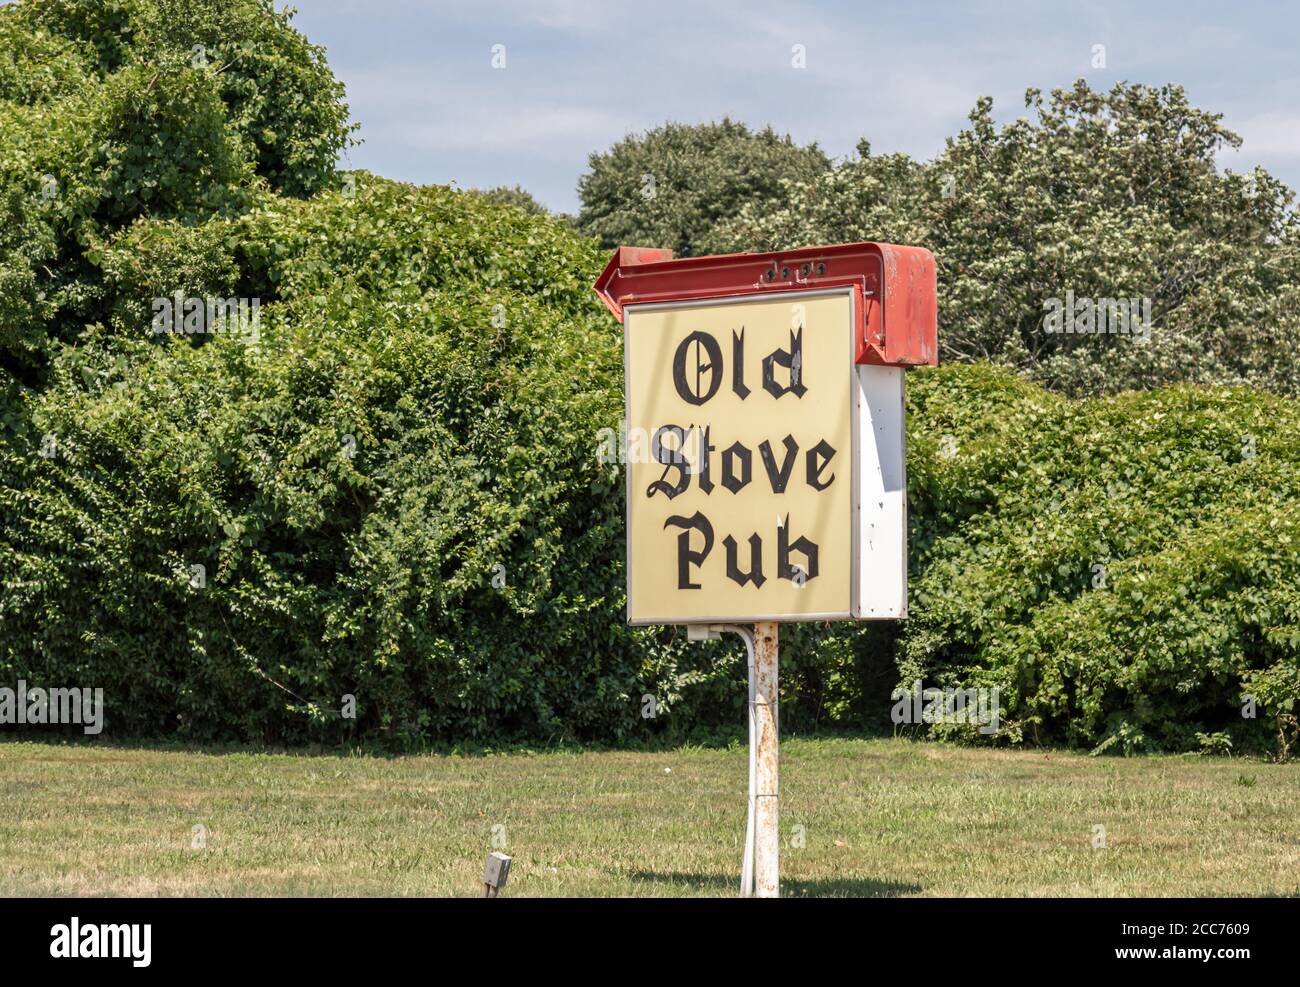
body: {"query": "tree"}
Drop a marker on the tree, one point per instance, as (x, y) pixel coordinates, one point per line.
(672, 186)
(126, 111)
(1097, 196)
(279, 93)
(517, 196)
(1123, 568)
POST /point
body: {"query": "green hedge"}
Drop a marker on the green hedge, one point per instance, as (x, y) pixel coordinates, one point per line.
(458, 343)
(395, 494)
(349, 484)
(1126, 570)
(113, 111)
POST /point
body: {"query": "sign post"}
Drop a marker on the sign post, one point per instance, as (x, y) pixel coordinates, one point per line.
(767, 816)
(765, 454)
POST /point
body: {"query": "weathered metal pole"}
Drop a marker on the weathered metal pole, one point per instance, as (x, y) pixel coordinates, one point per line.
(767, 830)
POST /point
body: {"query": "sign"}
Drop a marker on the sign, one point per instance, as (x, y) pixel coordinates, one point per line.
(765, 467)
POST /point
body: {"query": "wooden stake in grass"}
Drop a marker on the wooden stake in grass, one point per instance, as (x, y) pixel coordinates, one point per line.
(495, 873)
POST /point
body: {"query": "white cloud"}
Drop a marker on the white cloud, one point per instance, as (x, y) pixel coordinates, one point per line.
(583, 73)
(1275, 134)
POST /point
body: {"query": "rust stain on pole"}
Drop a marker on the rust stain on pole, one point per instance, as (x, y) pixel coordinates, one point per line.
(767, 831)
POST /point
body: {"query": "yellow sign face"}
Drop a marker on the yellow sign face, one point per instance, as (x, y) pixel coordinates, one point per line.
(740, 459)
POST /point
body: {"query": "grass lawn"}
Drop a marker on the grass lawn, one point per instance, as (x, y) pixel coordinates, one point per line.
(879, 817)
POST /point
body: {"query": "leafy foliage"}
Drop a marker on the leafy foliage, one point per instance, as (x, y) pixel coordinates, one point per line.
(516, 196)
(392, 492)
(280, 96)
(139, 110)
(672, 186)
(349, 485)
(1126, 570)
(1103, 195)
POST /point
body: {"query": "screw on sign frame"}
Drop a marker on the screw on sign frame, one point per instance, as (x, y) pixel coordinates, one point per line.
(819, 338)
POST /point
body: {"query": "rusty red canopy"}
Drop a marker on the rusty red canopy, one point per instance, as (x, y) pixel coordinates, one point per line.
(893, 287)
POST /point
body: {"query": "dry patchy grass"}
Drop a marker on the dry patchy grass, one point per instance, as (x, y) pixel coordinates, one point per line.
(880, 817)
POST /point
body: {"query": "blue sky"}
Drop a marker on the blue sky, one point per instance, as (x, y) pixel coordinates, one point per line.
(580, 74)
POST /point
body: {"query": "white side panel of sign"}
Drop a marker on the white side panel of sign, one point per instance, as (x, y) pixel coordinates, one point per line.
(881, 515)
